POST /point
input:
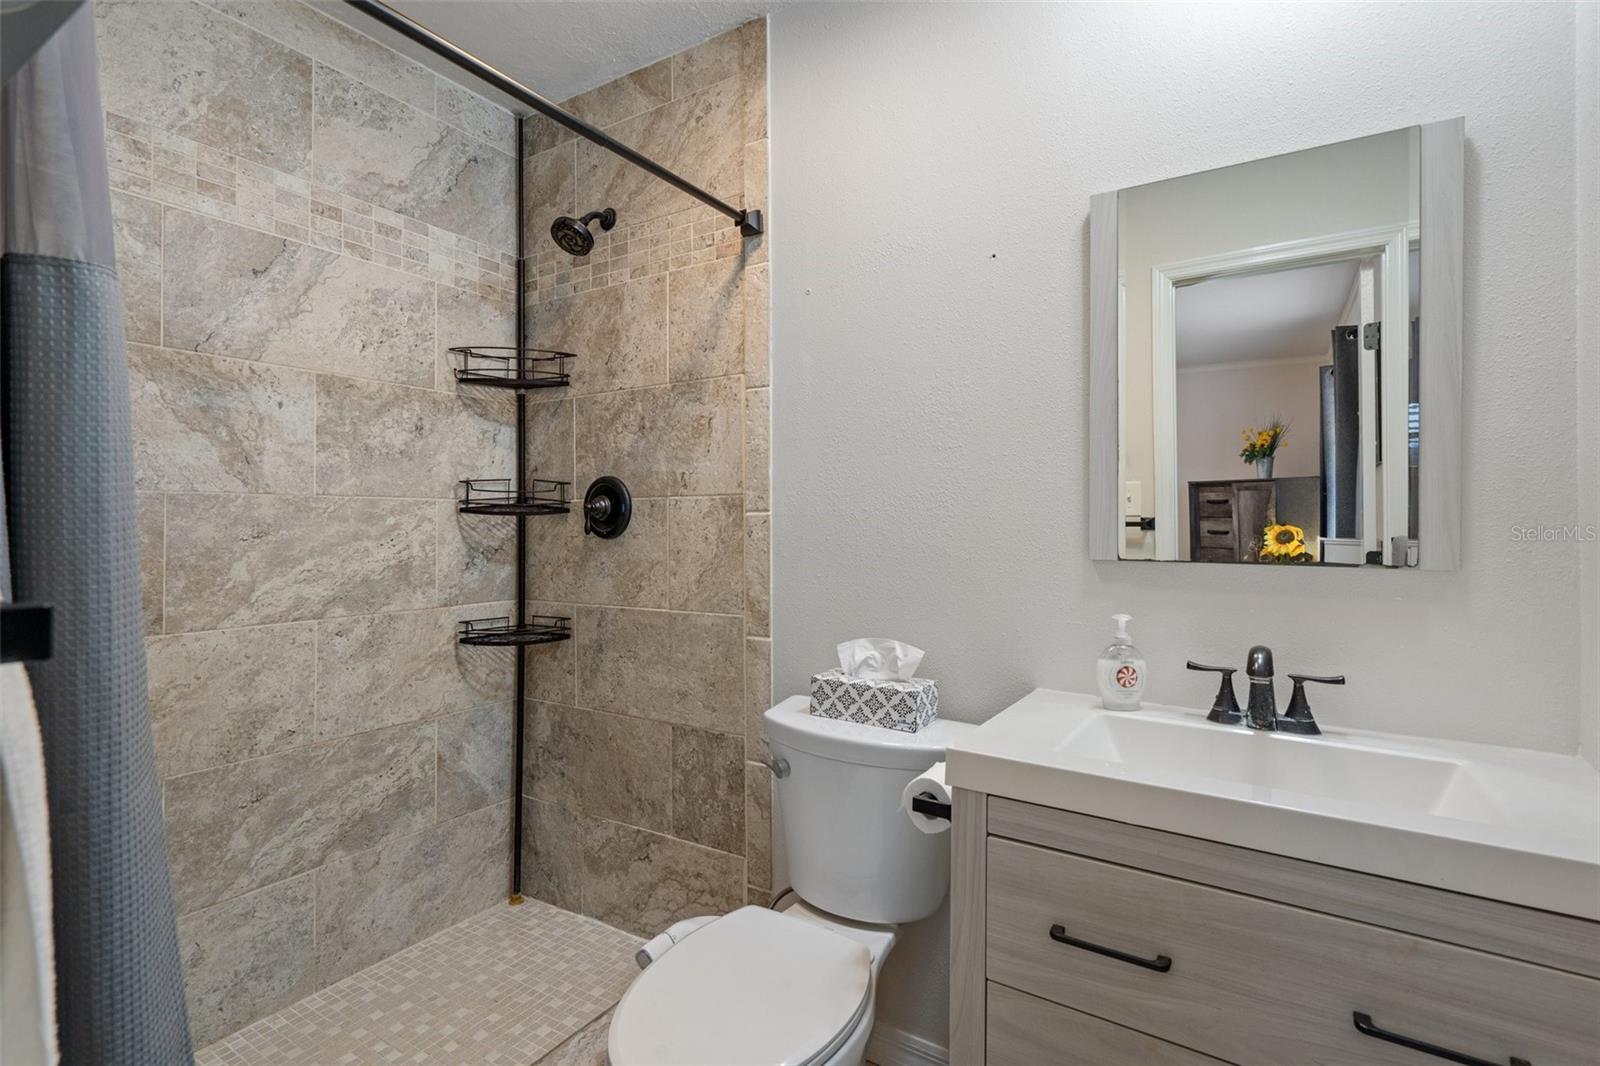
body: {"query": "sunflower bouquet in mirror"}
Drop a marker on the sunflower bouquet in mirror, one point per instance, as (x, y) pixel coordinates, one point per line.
(1261, 445)
(1285, 544)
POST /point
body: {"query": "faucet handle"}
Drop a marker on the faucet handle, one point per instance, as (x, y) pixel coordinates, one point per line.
(1225, 708)
(1297, 719)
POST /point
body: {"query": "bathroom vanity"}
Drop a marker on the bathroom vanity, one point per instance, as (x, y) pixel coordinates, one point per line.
(1151, 887)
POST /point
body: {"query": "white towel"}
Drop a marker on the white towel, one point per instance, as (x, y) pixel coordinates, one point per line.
(27, 943)
(929, 783)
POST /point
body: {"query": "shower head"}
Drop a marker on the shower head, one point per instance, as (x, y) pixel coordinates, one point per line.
(572, 234)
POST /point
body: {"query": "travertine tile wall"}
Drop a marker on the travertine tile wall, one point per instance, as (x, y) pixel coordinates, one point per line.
(647, 801)
(305, 221)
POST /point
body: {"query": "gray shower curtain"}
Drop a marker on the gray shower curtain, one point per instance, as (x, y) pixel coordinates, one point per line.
(66, 442)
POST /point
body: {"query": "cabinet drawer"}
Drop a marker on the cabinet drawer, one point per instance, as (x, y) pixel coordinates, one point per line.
(1215, 506)
(1025, 1030)
(1253, 981)
(1213, 535)
(1215, 555)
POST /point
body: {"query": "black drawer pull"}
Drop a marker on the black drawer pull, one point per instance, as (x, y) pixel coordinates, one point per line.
(1365, 1027)
(1160, 964)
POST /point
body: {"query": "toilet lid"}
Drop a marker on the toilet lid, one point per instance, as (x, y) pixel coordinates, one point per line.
(754, 986)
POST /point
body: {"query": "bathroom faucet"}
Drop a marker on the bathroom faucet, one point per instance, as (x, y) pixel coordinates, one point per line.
(1262, 710)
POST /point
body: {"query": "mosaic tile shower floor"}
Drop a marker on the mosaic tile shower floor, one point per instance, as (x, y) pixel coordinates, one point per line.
(505, 986)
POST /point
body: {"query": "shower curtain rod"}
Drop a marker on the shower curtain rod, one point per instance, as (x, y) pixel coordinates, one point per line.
(749, 221)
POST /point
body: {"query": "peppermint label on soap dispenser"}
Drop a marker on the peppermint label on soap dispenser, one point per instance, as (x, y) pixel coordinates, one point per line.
(1120, 670)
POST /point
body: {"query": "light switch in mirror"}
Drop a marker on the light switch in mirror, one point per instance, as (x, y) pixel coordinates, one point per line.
(1268, 359)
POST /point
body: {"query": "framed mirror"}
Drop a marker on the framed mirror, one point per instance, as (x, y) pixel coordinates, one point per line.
(1275, 359)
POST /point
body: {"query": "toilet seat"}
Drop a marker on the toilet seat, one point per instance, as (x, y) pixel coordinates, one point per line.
(755, 986)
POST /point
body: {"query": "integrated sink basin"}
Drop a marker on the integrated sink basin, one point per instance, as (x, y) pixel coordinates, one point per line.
(1279, 768)
(1508, 824)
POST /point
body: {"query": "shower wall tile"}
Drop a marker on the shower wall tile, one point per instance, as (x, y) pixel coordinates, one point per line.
(228, 290)
(552, 668)
(201, 75)
(329, 41)
(643, 89)
(249, 560)
(663, 665)
(619, 334)
(707, 554)
(308, 698)
(553, 843)
(380, 670)
(700, 134)
(477, 556)
(757, 449)
(228, 695)
(375, 902)
(757, 372)
(753, 78)
(250, 955)
(474, 759)
(392, 440)
(658, 399)
(373, 147)
(643, 881)
(468, 317)
(605, 765)
(758, 573)
(551, 189)
(706, 63)
(757, 694)
(204, 424)
(550, 443)
(758, 824)
(677, 440)
(474, 115)
(755, 195)
(708, 789)
(136, 228)
(241, 827)
(707, 320)
(630, 571)
(150, 517)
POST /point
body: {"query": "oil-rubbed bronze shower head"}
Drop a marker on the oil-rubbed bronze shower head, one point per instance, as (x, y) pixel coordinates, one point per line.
(572, 234)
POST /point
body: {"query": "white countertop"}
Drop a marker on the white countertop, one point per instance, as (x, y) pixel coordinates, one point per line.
(1503, 823)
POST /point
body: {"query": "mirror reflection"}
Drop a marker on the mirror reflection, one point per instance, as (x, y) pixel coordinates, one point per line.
(1266, 349)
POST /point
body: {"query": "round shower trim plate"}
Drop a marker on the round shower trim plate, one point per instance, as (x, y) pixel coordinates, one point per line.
(607, 507)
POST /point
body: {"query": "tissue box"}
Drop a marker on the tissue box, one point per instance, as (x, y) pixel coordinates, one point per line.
(906, 706)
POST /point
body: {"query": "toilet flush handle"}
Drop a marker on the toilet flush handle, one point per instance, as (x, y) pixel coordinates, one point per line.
(778, 765)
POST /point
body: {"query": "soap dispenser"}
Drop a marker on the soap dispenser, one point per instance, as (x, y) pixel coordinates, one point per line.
(1120, 670)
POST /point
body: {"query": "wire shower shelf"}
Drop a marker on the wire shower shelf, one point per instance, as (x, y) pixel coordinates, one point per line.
(503, 632)
(500, 496)
(509, 367)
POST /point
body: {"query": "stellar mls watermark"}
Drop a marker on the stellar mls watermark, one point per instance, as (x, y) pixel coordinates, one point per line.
(1543, 534)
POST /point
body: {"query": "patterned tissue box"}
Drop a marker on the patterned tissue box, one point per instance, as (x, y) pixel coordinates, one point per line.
(906, 706)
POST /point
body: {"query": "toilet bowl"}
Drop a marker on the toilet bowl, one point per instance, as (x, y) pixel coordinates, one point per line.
(796, 987)
(756, 986)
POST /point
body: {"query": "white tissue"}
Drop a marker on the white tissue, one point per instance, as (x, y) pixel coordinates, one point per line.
(929, 783)
(877, 659)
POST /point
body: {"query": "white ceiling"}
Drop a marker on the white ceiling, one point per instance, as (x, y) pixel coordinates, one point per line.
(1272, 317)
(557, 47)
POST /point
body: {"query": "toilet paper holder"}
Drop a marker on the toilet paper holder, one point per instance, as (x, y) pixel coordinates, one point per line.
(930, 807)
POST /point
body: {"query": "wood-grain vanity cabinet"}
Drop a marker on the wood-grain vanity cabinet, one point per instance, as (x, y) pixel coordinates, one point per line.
(1081, 940)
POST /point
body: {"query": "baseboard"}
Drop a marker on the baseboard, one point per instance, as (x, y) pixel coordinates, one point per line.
(889, 1046)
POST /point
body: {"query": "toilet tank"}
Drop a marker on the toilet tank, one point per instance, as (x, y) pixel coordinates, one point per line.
(851, 849)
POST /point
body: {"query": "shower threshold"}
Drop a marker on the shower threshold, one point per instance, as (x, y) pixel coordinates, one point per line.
(512, 985)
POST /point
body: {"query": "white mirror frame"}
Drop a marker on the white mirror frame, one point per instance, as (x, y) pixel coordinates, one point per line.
(1441, 212)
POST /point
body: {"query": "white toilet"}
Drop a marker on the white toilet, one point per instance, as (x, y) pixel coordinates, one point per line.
(796, 987)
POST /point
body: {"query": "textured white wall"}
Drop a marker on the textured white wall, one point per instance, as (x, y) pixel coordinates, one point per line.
(1588, 297)
(931, 173)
